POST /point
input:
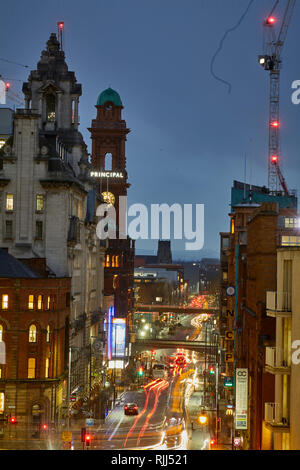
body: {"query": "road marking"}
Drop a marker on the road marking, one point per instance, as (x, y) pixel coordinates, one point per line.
(115, 430)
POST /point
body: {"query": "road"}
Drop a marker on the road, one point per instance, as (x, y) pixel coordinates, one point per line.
(162, 421)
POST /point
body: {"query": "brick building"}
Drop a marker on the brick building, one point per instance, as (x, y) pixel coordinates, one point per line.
(260, 223)
(34, 334)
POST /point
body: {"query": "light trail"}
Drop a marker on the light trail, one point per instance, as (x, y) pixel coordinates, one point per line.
(157, 392)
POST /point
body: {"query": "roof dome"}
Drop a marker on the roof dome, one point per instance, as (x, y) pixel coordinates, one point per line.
(109, 95)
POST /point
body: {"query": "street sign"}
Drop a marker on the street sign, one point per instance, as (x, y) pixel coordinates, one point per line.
(229, 335)
(228, 382)
(67, 436)
(89, 422)
(229, 313)
(229, 357)
(230, 291)
(241, 399)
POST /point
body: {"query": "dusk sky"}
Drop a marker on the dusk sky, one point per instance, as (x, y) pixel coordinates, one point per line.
(188, 135)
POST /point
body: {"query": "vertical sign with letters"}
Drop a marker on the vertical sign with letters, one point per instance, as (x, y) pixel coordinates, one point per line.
(241, 399)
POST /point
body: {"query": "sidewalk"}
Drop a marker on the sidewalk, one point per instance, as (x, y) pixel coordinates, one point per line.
(200, 435)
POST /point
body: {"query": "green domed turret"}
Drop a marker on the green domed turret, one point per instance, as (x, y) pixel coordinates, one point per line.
(109, 95)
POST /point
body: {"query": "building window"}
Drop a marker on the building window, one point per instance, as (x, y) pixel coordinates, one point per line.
(39, 202)
(1, 333)
(50, 107)
(40, 302)
(232, 226)
(117, 261)
(4, 303)
(8, 229)
(31, 367)
(108, 162)
(1, 402)
(47, 368)
(32, 334)
(48, 303)
(9, 202)
(290, 241)
(225, 275)
(48, 334)
(68, 298)
(30, 302)
(290, 222)
(107, 263)
(38, 230)
(1, 378)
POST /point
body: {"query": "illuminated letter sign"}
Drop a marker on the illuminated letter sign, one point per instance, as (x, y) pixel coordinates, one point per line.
(241, 399)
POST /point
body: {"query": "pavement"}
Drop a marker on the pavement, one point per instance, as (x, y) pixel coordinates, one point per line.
(200, 435)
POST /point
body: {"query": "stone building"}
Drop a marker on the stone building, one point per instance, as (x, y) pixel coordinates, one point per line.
(48, 201)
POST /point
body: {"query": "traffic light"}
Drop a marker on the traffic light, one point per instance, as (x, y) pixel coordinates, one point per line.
(212, 442)
(141, 371)
(44, 427)
(88, 439)
(13, 420)
(83, 434)
(211, 370)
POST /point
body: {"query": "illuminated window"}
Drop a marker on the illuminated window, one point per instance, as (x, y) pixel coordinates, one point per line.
(290, 241)
(48, 302)
(39, 202)
(1, 333)
(32, 334)
(290, 222)
(2, 142)
(232, 226)
(4, 301)
(40, 302)
(1, 402)
(47, 368)
(113, 261)
(0, 393)
(50, 108)
(48, 334)
(9, 202)
(31, 368)
(117, 262)
(225, 275)
(30, 302)
(107, 261)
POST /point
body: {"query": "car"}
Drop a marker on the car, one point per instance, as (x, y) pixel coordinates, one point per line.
(131, 409)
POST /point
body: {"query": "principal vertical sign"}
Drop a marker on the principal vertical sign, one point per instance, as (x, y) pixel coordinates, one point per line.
(241, 399)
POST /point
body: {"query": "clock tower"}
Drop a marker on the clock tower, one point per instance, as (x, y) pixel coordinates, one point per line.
(108, 134)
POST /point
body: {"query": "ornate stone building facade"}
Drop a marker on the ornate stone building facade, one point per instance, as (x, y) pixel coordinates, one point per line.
(48, 201)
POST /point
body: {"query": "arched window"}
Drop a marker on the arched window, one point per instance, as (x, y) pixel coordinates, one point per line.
(48, 334)
(50, 107)
(40, 302)
(32, 334)
(108, 162)
(1, 333)
(47, 364)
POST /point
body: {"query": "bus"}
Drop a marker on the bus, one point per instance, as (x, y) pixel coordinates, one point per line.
(159, 370)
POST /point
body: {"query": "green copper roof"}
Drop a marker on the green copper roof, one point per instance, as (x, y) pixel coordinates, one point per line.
(109, 95)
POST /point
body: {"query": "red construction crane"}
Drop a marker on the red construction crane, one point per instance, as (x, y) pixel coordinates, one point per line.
(271, 61)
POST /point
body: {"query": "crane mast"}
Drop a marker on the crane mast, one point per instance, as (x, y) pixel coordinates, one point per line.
(271, 61)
